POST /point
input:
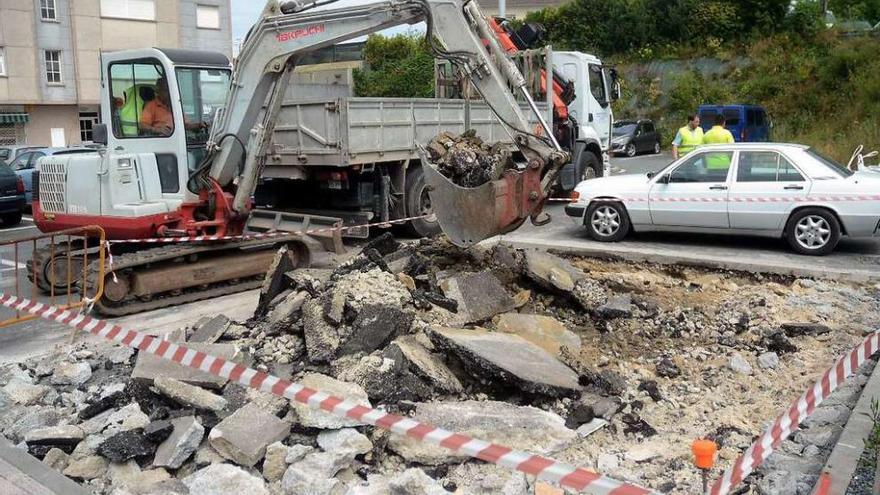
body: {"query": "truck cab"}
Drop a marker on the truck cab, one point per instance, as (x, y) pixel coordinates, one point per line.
(596, 87)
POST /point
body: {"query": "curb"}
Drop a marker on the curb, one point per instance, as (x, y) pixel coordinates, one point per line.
(617, 252)
(22, 474)
(844, 458)
(790, 420)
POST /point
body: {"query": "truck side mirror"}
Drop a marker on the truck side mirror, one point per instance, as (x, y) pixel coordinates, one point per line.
(99, 134)
(615, 84)
(615, 91)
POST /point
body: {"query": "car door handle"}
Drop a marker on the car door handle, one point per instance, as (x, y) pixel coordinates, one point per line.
(718, 188)
(794, 188)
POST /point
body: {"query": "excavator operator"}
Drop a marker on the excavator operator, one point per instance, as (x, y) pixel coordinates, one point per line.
(156, 117)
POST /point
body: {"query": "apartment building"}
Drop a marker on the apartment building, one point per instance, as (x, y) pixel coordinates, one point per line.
(49, 56)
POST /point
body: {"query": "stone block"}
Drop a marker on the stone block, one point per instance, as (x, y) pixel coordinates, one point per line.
(148, 367)
(244, 435)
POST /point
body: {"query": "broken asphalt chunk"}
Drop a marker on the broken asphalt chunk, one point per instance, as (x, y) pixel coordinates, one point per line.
(543, 331)
(131, 444)
(178, 447)
(244, 435)
(425, 364)
(796, 329)
(148, 366)
(552, 272)
(375, 326)
(211, 331)
(275, 282)
(508, 359)
(518, 427)
(480, 296)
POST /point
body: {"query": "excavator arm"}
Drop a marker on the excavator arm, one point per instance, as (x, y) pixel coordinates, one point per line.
(456, 29)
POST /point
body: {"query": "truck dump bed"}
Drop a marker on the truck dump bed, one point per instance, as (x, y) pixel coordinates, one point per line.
(346, 131)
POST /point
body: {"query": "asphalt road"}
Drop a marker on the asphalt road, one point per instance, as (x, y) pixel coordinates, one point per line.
(639, 164)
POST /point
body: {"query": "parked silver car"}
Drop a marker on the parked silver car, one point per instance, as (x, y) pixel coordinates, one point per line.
(776, 190)
(11, 152)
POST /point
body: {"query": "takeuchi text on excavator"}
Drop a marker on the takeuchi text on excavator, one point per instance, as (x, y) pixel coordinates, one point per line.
(191, 167)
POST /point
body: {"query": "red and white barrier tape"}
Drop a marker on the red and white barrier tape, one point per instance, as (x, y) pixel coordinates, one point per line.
(724, 198)
(541, 467)
(268, 235)
(788, 421)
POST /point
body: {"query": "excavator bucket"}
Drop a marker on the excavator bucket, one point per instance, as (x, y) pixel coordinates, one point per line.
(468, 215)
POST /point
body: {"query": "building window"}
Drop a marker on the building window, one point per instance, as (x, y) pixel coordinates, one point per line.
(48, 11)
(2, 62)
(208, 16)
(53, 66)
(12, 133)
(144, 10)
(87, 121)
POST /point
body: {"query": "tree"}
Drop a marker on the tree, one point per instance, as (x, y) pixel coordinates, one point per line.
(868, 10)
(398, 66)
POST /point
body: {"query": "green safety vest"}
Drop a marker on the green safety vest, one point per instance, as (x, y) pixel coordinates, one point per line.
(689, 139)
(130, 113)
(718, 135)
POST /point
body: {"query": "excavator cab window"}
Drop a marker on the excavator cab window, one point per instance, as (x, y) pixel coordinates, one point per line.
(141, 105)
(202, 92)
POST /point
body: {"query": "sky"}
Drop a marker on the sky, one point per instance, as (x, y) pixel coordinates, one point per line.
(246, 12)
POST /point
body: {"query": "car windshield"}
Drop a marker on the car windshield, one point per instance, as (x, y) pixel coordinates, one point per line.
(20, 162)
(621, 129)
(832, 165)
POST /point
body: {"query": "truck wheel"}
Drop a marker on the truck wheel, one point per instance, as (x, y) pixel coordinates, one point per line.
(11, 219)
(589, 167)
(418, 203)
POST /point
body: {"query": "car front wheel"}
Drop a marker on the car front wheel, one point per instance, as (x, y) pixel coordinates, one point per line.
(813, 231)
(630, 150)
(657, 148)
(607, 221)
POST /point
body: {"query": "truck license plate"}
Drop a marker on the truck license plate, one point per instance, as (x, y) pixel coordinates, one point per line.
(334, 184)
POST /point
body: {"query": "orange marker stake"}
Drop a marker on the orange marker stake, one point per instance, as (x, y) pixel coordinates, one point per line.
(704, 458)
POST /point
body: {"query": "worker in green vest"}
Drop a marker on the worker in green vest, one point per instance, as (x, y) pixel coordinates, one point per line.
(132, 108)
(688, 137)
(718, 134)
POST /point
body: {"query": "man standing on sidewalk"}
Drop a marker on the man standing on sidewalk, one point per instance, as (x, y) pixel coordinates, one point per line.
(688, 137)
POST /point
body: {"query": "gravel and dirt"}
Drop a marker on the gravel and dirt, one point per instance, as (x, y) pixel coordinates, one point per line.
(618, 366)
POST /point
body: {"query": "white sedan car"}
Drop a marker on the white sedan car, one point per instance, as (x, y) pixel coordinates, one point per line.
(775, 190)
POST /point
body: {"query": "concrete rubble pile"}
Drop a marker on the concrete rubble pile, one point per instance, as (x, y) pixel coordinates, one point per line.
(580, 361)
(468, 161)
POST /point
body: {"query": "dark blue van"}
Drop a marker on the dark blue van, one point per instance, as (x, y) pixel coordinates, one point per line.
(747, 123)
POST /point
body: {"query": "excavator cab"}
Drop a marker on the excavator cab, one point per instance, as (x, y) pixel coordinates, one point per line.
(154, 104)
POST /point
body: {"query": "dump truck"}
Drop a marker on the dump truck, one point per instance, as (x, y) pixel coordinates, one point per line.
(355, 158)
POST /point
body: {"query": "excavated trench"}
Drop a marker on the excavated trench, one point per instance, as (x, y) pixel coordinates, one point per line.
(608, 365)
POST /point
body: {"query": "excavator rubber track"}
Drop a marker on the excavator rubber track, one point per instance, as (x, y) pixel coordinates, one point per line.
(183, 259)
(40, 263)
